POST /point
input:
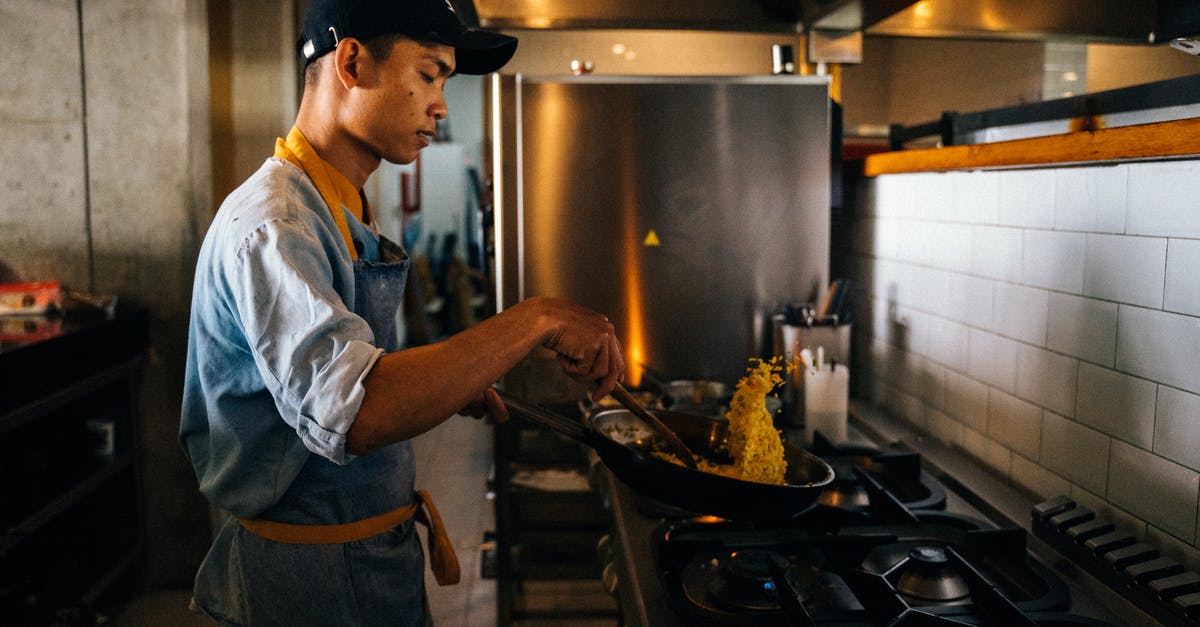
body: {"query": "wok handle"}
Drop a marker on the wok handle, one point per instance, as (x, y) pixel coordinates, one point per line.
(546, 418)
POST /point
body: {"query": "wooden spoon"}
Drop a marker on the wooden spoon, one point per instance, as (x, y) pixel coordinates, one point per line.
(629, 402)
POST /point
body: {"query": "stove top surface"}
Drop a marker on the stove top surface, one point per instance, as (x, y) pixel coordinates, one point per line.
(941, 568)
(890, 543)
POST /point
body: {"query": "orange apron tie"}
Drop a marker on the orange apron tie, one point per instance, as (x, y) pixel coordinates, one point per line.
(442, 559)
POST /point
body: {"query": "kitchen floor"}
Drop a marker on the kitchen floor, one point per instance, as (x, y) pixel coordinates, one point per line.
(453, 462)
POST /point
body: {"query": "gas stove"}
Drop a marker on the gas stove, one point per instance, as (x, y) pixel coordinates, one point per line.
(938, 568)
(890, 543)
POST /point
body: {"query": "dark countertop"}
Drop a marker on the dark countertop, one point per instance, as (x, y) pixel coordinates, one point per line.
(66, 349)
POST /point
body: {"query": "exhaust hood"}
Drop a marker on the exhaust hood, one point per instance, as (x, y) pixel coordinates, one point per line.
(1116, 21)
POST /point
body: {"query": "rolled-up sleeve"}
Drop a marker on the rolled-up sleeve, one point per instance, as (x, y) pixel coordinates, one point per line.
(312, 351)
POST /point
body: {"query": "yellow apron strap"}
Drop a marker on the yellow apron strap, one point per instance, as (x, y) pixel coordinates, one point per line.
(327, 180)
(442, 559)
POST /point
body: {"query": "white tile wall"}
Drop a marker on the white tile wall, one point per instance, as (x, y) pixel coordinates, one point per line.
(1091, 199)
(1014, 423)
(1075, 451)
(1177, 427)
(1163, 198)
(1047, 321)
(1159, 346)
(1027, 199)
(1047, 379)
(969, 300)
(947, 343)
(944, 428)
(930, 290)
(1161, 492)
(976, 196)
(1053, 260)
(966, 400)
(933, 195)
(950, 246)
(992, 359)
(1037, 479)
(1125, 269)
(997, 253)
(1019, 312)
(1117, 404)
(1182, 287)
(1082, 327)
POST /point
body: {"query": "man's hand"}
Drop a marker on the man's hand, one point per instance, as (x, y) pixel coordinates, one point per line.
(489, 406)
(586, 344)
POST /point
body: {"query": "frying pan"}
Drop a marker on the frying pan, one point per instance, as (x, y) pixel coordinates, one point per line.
(624, 443)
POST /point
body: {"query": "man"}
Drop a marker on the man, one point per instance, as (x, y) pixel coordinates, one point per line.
(297, 404)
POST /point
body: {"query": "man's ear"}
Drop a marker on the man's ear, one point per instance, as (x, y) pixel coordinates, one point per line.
(346, 58)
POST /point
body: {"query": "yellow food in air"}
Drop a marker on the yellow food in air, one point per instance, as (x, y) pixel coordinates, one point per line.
(754, 443)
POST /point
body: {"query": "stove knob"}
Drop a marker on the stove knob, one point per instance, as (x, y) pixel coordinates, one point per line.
(609, 578)
(604, 549)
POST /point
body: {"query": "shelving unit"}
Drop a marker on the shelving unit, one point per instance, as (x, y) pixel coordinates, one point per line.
(73, 536)
(549, 520)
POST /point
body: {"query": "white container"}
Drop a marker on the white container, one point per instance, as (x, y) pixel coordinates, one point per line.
(826, 396)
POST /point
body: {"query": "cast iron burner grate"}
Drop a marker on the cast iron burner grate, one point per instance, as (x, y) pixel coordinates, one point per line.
(896, 470)
(910, 568)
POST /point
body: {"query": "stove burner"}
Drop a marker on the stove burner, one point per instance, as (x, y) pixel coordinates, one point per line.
(845, 492)
(928, 577)
(745, 581)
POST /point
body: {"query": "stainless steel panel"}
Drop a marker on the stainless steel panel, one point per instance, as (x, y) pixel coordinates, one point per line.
(729, 175)
(1090, 20)
(736, 15)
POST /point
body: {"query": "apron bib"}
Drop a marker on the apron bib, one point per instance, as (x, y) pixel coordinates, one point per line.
(368, 580)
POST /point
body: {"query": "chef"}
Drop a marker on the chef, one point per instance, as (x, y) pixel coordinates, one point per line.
(298, 404)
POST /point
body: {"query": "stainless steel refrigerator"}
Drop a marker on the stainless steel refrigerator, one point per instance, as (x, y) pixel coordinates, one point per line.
(687, 209)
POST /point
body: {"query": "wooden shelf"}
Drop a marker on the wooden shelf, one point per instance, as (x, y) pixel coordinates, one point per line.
(1159, 140)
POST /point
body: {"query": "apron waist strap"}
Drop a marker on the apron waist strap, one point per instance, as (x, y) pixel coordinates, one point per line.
(442, 560)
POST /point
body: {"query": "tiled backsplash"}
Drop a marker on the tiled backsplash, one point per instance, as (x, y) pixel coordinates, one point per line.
(1046, 321)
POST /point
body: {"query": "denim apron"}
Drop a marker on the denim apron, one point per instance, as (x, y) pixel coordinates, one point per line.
(377, 581)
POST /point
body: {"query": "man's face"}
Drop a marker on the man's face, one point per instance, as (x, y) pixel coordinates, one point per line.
(401, 99)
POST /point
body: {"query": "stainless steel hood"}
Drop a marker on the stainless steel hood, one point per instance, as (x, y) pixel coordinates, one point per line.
(1116, 21)
(728, 15)
(1121, 21)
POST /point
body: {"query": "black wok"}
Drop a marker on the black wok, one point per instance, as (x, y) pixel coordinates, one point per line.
(624, 443)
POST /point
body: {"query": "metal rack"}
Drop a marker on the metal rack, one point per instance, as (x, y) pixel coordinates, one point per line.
(74, 536)
(548, 523)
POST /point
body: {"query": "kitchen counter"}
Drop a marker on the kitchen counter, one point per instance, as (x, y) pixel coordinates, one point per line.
(1174, 139)
(633, 577)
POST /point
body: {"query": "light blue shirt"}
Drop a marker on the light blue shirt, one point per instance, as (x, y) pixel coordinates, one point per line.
(276, 357)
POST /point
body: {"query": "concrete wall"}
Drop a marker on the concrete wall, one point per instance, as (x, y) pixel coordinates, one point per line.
(1045, 321)
(104, 160)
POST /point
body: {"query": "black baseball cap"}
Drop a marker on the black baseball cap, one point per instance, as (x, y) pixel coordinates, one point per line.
(477, 51)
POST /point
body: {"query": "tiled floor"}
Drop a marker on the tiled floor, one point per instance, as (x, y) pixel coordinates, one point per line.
(453, 463)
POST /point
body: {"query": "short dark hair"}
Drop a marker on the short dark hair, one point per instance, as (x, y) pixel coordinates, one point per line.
(380, 47)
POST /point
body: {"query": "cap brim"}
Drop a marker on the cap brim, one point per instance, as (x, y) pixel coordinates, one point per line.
(478, 51)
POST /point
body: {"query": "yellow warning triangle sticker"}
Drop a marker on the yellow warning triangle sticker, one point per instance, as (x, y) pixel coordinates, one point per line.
(651, 239)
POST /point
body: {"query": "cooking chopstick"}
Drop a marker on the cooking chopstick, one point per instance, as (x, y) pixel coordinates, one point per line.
(545, 417)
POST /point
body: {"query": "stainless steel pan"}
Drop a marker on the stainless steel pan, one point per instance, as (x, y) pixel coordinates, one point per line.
(624, 443)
